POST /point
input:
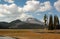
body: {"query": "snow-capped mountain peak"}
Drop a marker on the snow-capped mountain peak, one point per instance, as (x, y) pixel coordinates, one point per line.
(34, 21)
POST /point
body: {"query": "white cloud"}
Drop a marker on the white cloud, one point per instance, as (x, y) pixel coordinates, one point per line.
(45, 6)
(20, 9)
(1, 15)
(9, 12)
(12, 11)
(8, 9)
(24, 17)
(57, 5)
(9, 1)
(33, 6)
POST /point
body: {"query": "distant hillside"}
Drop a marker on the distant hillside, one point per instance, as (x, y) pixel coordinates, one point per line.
(34, 21)
(30, 23)
(4, 25)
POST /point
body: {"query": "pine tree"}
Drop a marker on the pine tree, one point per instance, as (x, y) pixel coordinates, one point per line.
(51, 27)
(56, 22)
(45, 20)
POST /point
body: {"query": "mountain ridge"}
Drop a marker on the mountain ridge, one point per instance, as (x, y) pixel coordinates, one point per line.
(18, 24)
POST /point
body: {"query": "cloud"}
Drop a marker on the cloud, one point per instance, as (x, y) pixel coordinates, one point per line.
(8, 9)
(12, 12)
(32, 6)
(9, 1)
(1, 15)
(24, 17)
(57, 5)
(20, 9)
(9, 12)
(45, 6)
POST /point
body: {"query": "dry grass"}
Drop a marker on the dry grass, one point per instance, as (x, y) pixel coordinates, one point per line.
(30, 33)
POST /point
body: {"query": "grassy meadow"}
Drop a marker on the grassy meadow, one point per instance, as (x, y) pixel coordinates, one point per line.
(31, 33)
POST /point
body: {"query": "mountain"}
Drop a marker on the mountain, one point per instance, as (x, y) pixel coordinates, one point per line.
(4, 25)
(30, 23)
(34, 21)
(15, 23)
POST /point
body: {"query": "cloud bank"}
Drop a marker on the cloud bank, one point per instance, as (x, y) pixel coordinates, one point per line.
(57, 5)
(9, 11)
(12, 11)
(37, 6)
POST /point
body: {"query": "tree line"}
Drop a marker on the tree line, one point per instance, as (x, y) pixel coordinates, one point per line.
(53, 22)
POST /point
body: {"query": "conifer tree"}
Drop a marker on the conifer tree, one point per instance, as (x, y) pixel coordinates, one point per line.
(45, 19)
(56, 22)
(51, 27)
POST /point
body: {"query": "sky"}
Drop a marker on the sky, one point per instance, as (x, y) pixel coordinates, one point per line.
(22, 9)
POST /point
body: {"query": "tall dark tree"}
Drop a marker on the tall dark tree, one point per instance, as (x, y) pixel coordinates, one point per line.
(45, 19)
(56, 22)
(51, 27)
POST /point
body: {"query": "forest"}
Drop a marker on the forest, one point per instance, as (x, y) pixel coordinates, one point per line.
(52, 23)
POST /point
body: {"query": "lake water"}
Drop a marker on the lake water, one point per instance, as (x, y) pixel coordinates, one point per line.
(6, 37)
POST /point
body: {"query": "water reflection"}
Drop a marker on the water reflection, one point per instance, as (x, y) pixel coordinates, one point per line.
(7, 37)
